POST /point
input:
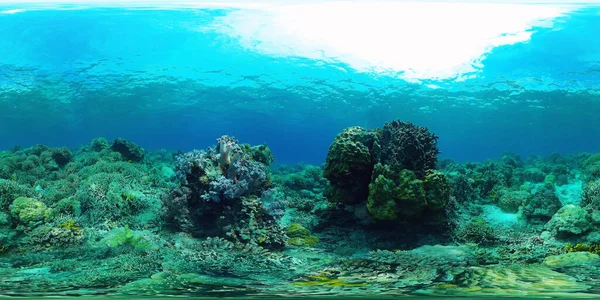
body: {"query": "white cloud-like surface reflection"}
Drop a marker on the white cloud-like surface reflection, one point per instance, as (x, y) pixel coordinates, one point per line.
(414, 41)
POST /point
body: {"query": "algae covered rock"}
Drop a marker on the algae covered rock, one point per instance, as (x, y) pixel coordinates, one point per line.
(571, 259)
(591, 166)
(7, 236)
(400, 195)
(534, 175)
(349, 165)
(570, 220)
(61, 156)
(260, 153)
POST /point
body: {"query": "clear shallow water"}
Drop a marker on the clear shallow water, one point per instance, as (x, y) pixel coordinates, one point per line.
(485, 78)
(177, 78)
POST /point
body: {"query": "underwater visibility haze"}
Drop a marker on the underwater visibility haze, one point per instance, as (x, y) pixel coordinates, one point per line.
(299, 148)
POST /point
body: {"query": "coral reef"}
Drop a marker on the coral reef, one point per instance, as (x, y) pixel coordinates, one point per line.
(382, 216)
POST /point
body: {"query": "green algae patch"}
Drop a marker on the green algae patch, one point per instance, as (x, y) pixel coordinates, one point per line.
(572, 259)
(595, 249)
(300, 236)
(322, 280)
(309, 241)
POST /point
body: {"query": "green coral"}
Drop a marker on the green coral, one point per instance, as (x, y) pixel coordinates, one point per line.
(437, 189)
(349, 165)
(126, 237)
(591, 166)
(510, 201)
(393, 194)
(550, 179)
(49, 237)
(29, 211)
(260, 153)
(570, 220)
(474, 231)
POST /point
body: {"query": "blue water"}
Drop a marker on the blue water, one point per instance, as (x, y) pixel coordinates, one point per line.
(164, 78)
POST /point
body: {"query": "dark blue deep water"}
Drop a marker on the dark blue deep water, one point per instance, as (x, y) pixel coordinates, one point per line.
(179, 78)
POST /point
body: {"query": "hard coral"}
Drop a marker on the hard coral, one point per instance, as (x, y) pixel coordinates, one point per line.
(29, 211)
(129, 150)
(511, 200)
(407, 146)
(590, 199)
(393, 194)
(349, 165)
(437, 189)
(543, 205)
(570, 220)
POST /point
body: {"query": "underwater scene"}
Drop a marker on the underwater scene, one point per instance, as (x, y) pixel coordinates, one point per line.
(309, 149)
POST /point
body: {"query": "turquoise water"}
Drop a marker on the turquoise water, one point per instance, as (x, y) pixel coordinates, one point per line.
(475, 171)
(162, 76)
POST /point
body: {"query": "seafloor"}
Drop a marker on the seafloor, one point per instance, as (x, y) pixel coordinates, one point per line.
(383, 217)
